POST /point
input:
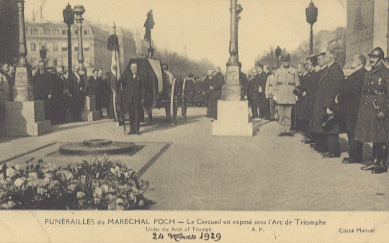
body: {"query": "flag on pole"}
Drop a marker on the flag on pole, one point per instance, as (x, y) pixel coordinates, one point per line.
(113, 45)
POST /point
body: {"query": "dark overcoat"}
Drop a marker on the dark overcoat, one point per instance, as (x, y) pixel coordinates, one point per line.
(375, 88)
(253, 90)
(302, 104)
(350, 96)
(328, 88)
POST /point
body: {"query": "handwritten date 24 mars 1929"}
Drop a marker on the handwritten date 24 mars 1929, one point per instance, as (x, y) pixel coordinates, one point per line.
(181, 236)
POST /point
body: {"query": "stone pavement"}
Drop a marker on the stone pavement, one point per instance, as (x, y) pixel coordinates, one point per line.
(192, 170)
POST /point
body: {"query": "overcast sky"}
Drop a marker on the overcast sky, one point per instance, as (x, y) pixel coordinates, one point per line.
(202, 26)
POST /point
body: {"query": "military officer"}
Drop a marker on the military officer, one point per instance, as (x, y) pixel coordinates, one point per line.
(373, 117)
(286, 80)
(270, 91)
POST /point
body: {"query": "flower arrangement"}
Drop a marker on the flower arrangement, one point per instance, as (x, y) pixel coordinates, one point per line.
(102, 185)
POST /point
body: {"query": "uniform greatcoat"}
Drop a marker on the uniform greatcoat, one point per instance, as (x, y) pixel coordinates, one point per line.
(375, 88)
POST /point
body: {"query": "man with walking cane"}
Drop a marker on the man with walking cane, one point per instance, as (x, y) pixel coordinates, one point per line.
(373, 116)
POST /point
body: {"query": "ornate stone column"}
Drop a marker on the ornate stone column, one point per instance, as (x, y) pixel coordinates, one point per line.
(22, 88)
(232, 112)
(24, 116)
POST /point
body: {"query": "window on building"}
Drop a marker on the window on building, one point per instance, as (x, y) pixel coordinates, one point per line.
(55, 31)
(55, 47)
(85, 32)
(76, 32)
(63, 32)
(33, 46)
(55, 62)
(46, 31)
(86, 48)
(64, 48)
(34, 31)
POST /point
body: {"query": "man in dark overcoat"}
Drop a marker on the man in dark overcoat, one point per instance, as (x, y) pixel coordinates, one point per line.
(215, 92)
(243, 81)
(263, 103)
(207, 81)
(302, 109)
(254, 94)
(77, 89)
(328, 88)
(56, 97)
(349, 99)
(373, 116)
(133, 94)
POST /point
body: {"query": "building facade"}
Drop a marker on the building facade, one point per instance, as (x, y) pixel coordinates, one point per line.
(55, 38)
(367, 26)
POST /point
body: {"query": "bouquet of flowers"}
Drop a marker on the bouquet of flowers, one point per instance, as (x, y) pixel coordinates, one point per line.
(100, 185)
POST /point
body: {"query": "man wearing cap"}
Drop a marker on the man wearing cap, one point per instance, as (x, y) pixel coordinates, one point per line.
(328, 88)
(373, 117)
(286, 80)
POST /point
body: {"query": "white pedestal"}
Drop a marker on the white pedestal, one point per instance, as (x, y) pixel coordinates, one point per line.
(89, 112)
(25, 119)
(232, 119)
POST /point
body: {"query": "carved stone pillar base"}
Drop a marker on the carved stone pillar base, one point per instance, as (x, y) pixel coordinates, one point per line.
(231, 89)
(25, 119)
(232, 119)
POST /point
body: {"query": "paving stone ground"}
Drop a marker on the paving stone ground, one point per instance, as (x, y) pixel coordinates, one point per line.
(202, 172)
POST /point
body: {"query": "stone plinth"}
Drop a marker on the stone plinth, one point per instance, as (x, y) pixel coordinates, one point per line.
(232, 119)
(89, 112)
(25, 119)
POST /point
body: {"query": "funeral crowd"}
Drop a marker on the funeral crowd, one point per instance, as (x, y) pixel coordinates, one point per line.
(314, 98)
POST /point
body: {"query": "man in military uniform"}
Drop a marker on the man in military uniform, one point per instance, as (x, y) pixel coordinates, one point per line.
(349, 100)
(328, 87)
(286, 80)
(270, 91)
(133, 95)
(373, 117)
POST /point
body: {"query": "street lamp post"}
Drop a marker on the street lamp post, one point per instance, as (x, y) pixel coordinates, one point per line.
(79, 11)
(311, 13)
(68, 18)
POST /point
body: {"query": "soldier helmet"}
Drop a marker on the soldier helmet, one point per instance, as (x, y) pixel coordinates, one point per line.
(377, 52)
(285, 57)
